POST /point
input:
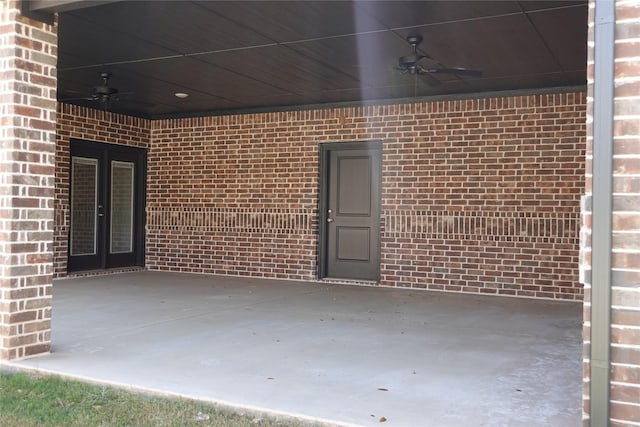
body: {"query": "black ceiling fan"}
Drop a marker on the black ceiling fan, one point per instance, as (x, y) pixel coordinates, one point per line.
(102, 93)
(409, 64)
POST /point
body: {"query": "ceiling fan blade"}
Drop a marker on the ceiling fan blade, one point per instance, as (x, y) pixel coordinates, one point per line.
(103, 94)
(69, 91)
(432, 81)
(409, 64)
(84, 98)
(455, 71)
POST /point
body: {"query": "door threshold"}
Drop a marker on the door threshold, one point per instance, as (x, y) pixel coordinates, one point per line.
(341, 281)
(102, 272)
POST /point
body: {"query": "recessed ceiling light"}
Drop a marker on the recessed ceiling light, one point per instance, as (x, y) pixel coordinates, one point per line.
(181, 95)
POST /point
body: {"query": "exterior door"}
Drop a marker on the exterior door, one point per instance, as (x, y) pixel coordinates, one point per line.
(106, 203)
(350, 211)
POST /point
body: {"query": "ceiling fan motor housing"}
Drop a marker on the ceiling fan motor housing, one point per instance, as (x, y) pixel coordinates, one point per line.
(104, 91)
(409, 60)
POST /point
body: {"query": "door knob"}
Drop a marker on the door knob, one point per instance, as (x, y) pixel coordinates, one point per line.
(329, 212)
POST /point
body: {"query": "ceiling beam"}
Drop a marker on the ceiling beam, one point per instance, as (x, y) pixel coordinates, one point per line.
(53, 6)
(45, 10)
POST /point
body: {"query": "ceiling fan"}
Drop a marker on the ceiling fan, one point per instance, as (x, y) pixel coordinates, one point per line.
(409, 64)
(102, 93)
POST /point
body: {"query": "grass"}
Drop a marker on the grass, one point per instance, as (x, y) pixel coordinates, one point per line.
(36, 400)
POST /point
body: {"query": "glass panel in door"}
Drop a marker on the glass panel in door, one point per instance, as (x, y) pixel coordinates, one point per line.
(122, 207)
(84, 205)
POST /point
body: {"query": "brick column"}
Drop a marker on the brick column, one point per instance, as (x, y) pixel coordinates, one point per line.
(28, 52)
(624, 398)
(625, 245)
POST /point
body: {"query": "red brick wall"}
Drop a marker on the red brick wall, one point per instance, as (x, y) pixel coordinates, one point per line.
(27, 125)
(90, 125)
(625, 258)
(478, 195)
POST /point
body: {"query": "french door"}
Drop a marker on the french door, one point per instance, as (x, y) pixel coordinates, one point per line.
(106, 202)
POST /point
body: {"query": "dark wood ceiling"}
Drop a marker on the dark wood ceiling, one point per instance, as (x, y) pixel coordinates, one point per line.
(241, 56)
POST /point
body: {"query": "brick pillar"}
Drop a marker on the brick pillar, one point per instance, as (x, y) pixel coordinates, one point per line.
(625, 260)
(624, 399)
(585, 230)
(28, 53)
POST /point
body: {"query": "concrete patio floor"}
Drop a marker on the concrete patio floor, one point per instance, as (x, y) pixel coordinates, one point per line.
(343, 354)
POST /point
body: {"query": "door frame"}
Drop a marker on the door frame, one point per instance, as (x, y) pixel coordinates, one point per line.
(105, 153)
(323, 193)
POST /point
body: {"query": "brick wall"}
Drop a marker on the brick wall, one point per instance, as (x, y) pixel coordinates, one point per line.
(90, 125)
(28, 52)
(479, 195)
(625, 277)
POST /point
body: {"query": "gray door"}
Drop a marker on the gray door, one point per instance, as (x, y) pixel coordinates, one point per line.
(352, 217)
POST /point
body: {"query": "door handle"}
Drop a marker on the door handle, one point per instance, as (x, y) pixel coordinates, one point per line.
(329, 212)
(100, 213)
